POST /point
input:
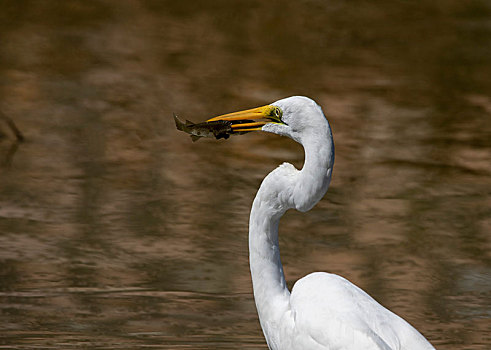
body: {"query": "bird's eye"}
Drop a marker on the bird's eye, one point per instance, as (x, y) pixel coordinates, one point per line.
(276, 113)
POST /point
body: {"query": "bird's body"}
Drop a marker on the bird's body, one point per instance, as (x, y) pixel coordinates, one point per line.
(323, 311)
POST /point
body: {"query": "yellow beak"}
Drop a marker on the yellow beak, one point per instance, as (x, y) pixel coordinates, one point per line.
(251, 119)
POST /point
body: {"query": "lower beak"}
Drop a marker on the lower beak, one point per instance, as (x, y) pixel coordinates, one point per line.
(249, 119)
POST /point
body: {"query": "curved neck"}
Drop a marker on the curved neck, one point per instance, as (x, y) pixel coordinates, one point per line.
(315, 176)
(284, 188)
(270, 291)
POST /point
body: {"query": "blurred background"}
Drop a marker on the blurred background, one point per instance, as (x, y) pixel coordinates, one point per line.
(118, 232)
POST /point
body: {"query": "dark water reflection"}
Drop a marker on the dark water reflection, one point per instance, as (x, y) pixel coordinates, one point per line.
(118, 232)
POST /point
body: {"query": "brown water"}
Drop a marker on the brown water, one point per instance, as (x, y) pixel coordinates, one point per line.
(118, 232)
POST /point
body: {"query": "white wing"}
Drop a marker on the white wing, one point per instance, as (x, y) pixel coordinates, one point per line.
(333, 313)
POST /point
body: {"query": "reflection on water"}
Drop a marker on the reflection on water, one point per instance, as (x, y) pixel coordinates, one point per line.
(118, 232)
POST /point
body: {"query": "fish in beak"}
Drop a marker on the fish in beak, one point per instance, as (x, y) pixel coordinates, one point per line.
(251, 119)
(218, 129)
(236, 123)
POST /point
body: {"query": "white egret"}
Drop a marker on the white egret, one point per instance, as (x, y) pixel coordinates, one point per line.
(323, 310)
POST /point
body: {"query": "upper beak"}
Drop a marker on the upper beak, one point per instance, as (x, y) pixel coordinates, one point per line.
(251, 119)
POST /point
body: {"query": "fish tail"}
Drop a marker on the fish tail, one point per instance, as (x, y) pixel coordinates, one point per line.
(179, 124)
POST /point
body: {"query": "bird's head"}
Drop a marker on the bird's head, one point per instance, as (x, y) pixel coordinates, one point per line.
(296, 117)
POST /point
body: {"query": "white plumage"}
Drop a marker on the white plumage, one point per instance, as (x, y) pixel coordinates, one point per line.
(323, 311)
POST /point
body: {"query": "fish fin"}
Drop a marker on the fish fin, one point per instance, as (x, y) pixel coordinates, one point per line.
(189, 123)
(195, 138)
